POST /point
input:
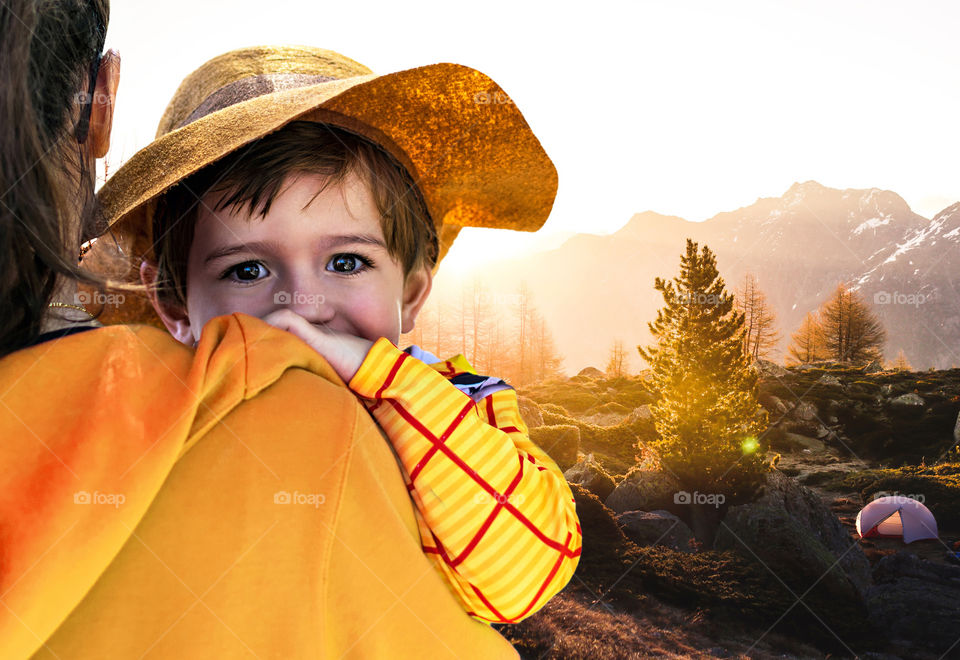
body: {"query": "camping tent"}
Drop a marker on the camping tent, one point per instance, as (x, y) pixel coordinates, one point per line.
(896, 515)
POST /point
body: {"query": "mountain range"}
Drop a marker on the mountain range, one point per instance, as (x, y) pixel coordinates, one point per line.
(593, 289)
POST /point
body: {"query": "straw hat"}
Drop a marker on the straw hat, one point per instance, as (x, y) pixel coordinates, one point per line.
(461, 138)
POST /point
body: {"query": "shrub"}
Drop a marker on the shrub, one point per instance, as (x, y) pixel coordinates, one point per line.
(939, 485)
(560, 441)
(611, 407)
(553, 409)
(575, 401)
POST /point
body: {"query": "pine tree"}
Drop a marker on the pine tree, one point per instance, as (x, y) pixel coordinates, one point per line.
(523, 325)
(499, 334)
(809, 343)
(709, 422)
(479, 316)
(853, 334)
(549, 361)
(616, 366)
(900, 363)
(759, 335)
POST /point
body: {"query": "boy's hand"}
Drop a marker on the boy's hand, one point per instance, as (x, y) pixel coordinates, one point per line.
(344, 352)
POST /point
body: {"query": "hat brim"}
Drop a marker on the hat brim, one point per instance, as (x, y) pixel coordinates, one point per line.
(462, 139)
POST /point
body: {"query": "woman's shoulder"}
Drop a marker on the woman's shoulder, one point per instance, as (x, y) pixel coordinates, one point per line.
(73, 348)
(234, 348)
(62, 332)
(128, 381)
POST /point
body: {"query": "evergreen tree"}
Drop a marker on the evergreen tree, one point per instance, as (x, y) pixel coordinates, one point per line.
(549, 360)
(616, 365)
(759, 335)
(709, 422)
(809, 342)
(499, 334)
(853, 334)
(901, 363)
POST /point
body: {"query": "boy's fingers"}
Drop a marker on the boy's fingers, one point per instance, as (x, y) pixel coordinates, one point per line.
(292, 322)
(283, 318)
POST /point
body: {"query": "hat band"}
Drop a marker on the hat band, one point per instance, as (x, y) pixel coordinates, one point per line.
(250, 88)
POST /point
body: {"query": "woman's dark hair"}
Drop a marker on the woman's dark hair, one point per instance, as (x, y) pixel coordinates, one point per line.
(47, 51)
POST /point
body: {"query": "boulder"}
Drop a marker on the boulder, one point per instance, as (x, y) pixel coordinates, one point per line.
(643, 413)
(602, 419)
(804, 411)
(607, 414)
(916, 601)
(530, 412)
(772, 403)
(769, 369)
(561, 442)
(874, 367)
(816, 364)
(806, 441)
(656, 528)
(602, 536)
(908, 399)
(591, 475)
(643, 490)
(795, 533)
(829, 379)
(811, 429)
(592, 372)
(781, 440)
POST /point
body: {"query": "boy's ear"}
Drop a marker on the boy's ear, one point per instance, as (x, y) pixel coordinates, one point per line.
(416, 288)
(173, 317)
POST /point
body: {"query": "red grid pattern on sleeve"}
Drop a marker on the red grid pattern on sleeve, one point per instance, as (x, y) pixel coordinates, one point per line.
(535, 568)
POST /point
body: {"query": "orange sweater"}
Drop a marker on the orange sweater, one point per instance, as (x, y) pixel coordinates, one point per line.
(233, 501)
(496, 515)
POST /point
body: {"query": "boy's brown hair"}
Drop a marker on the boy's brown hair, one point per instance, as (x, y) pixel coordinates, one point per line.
(254, 175)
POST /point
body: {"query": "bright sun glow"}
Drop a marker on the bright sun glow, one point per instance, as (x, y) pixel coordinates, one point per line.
(687, 108)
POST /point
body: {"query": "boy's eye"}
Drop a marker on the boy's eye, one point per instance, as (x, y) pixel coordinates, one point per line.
(349, 264)
(248, 271)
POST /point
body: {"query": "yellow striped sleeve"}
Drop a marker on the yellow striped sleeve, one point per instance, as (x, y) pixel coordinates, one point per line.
(496, 515)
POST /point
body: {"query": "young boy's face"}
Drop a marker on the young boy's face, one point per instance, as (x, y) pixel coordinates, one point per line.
(326, 261)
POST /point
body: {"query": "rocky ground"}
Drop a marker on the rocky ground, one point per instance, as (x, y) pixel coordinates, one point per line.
(846, 503)
(843, 436)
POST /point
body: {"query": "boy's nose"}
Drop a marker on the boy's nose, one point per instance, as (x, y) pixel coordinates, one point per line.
(308, 302)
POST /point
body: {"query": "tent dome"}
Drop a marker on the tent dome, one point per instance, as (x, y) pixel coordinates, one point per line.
(896, 515)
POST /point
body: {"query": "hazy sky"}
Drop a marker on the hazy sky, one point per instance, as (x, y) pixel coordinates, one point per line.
(686, 108)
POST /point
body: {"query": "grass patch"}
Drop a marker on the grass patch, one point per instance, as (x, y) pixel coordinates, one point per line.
(938, 484)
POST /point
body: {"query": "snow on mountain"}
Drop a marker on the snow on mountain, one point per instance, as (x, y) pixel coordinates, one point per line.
(798, 245)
